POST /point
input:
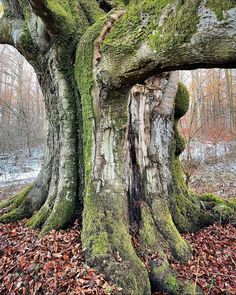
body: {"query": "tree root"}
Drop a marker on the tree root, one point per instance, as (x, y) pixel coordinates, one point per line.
(163, 278)
(17, 207)
(219, 209)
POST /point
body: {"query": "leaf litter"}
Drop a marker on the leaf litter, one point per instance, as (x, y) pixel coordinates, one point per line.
(213, 266)
(51, 265)
(55, 264)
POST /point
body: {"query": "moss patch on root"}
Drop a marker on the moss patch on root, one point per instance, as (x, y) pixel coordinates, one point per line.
(163, 278)
(181, 101)
(222, 210)
(39, 218)
(18, 207)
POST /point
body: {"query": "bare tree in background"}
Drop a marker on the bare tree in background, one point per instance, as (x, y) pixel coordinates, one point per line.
(21, 103)
(211, 114)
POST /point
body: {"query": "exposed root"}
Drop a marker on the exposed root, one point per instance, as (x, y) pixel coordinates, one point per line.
(129, 274)
(39, 218)
(163, 278)
(17, 207)
(220, 210)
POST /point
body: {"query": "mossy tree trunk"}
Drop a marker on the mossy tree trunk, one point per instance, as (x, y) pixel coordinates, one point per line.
(112, 110)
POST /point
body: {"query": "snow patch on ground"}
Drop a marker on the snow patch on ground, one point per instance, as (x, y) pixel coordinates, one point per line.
(214, 167)
(19, 167)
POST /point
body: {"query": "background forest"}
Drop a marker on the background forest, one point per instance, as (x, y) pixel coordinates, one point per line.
(21, 104)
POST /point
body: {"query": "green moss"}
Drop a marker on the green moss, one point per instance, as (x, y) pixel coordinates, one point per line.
(5, 203)
(17, 199)
(232, 203)
(100, 247)
(15, 215)
(147, 231)
(172, 283)
(181, 101)
(222, 210)
(25, 7)
(178, 175)
(68, 16)
(19, 207)
(92, 10)
(163, 219)
(211, 198)
(185, 206)
(163, 278)
(220, 7)
(25, 37)
(142, 20)
(180, 143)
(62, 11)
(39, 218)
(21, 196)
(176, 28)
(62, 213)
(181, 107)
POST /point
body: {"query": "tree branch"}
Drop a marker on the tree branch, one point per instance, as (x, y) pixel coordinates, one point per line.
(60, 17)
(49, 19)
(152, 37)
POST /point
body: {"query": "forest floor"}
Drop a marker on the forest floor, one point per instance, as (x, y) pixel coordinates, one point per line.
(55, 263)
(212, 168)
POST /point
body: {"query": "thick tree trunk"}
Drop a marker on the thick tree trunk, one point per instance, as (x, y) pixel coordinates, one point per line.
(55, 189)
(113, 145)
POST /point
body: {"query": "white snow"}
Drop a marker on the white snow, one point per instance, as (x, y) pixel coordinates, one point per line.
(19, 168)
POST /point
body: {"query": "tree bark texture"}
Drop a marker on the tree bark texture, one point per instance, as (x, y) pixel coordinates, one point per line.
(112, 110)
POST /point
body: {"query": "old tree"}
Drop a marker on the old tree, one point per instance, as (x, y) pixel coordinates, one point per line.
(112, 108)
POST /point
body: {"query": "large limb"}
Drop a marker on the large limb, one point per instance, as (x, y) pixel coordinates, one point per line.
(157, 36)
(65, 18)
(20, 28)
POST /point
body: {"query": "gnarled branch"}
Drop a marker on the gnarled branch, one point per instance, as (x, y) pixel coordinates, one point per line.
(154, 37)
(61, 17)
(49, 19)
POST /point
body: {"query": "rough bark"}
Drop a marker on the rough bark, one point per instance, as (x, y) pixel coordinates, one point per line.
(112, 111)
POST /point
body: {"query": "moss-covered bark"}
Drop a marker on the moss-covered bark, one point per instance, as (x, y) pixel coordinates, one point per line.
(16, 207)
(105, 219)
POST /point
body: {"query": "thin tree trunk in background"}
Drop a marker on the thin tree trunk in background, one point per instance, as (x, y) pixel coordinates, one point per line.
(229, 93)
